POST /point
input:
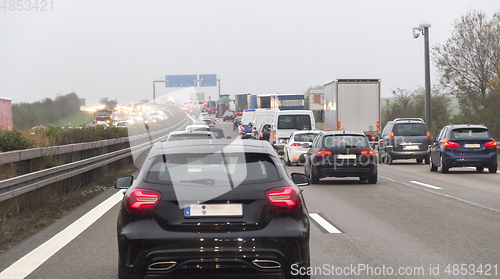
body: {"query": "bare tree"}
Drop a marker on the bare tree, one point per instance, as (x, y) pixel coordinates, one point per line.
(470, 58)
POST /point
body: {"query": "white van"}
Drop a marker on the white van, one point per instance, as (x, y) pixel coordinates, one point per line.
(285, 122)
(260, 117)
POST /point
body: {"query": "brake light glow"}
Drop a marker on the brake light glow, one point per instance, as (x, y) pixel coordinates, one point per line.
(296, 144)
(323, 153)
(428, 136)
(491, 144)
(373, 137)
(142, 201)
(283, 199)
(450, 144)
(392, 137)
(367, 152)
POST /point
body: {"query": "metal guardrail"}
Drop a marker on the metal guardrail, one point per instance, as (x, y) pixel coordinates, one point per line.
(18, 185)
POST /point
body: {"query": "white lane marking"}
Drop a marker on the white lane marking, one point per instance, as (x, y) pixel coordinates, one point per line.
(31, 261)
(325, 224)
(426, 185)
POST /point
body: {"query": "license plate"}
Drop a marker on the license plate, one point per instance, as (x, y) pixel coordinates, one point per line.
(197, 210)
(411, 147)
(470, 145)
(350, 156)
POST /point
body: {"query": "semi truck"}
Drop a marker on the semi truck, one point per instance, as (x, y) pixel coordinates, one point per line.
(241, 102)
(251, 101)
(287, 101)
(103, 116)
(264, 101)
(353, 105)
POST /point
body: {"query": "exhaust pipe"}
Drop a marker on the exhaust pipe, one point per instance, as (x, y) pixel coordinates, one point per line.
(161, 266)
(266, 264)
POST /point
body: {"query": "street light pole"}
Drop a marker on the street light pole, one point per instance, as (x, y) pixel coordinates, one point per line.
(154, 93)
(424, 29)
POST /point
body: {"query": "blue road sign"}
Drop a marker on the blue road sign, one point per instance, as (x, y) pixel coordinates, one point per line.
(208, 80)
(181, 80)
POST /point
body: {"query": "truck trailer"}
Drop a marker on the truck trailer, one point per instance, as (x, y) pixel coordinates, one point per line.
(353, 105)
(241, 103)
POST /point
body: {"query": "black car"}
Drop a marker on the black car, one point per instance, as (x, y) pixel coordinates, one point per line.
(236, 123)
(405, 138)
(464, 146)
(229, 115)
(264, 132)
(199, 208)
(341, 154)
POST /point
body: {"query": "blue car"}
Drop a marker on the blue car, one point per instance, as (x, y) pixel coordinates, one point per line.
(245, 130)
(464, 146)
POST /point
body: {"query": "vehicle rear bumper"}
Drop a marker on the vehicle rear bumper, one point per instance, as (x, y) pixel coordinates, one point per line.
(453, 160)
(345, 171)
(409, 154)
(216, 253)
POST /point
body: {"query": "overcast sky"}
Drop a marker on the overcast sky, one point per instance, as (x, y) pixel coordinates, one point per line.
(116, 48)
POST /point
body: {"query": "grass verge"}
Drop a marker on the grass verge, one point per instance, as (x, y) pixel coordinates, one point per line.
(77, 119)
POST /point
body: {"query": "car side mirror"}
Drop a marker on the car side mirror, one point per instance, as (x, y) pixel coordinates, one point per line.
(250, 124)
(300, 179)
(306, 145)
(124, 182)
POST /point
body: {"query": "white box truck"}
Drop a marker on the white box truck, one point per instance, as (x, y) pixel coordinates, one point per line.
(353, 105)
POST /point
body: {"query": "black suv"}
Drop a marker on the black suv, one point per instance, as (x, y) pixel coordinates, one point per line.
(464, 146)
(405, 138)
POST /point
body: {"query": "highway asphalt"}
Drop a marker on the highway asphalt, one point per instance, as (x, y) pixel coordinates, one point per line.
(411, 224)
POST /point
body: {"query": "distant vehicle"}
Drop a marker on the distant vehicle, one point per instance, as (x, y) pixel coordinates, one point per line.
(207, 119)
(202, 115)
(353, 105)
(218, 133)
(293, 152)
(405, 138)
(246, 119)
(285, 123)
(221, 109)
(262, 224)
(236, 123)
(287, 101)
(241, 103)
(228, 115)
(264, 132)
(103, 115)
(464, 146)
(37, 129)
(261, 116)
(156, 116)
(193, 127)
(124, 122)
(183, 135)
(340, 154)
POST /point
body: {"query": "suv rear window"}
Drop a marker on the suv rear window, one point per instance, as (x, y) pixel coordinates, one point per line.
(345, 141)
(410, 129)
(470, 133)
(212, 169)
(295, 122)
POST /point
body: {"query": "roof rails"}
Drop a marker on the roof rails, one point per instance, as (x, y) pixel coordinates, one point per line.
(409, 119)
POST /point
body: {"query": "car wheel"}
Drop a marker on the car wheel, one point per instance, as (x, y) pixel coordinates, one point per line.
(432, 167)
(444, 168)
(372, 179)
(479, 169)
(419, 161)
(314, 177)
(493, 168)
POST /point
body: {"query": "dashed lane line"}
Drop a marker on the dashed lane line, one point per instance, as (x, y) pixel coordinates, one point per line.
(426, 185)
(324, 223)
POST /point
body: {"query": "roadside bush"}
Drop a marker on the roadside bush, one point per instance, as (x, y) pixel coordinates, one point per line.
(12, 140)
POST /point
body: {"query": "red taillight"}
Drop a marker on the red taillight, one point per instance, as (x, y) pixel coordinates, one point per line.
(491, 144)
(428, 136)
(373, 137)
(296, 144)
(261, 134)
(142, 201)
(283, 199)
(274, 137)
(367, 152)
(450, 144)
(392, 137)
(322, 153)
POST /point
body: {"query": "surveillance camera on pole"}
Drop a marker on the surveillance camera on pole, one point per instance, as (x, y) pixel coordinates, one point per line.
(423, 29)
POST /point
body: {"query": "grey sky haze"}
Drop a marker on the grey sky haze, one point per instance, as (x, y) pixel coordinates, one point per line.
(116, 48)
